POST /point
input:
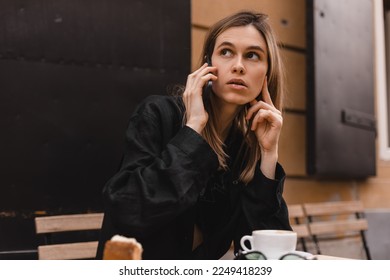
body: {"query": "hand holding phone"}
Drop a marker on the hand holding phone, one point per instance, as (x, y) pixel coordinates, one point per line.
(196, 96)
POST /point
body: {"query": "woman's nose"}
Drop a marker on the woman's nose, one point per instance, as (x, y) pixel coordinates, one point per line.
(238, 66)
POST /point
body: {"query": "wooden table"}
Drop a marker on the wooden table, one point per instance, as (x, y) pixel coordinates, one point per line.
(326, 257)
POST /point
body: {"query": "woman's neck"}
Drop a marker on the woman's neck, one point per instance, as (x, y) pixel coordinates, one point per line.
(225, 115)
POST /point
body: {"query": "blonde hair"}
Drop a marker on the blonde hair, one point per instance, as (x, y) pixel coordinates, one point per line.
(275, 75)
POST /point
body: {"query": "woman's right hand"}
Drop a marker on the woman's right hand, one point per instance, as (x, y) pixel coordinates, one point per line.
(196, 114)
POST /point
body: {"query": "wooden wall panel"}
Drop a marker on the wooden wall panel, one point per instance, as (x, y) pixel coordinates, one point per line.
(288, 18)
(375, 192)
(383, 170)
(307, 190)
(198, 36)
(295, 63)
(292, 145)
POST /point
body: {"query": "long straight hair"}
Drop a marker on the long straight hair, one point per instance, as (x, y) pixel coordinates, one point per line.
(251, 152)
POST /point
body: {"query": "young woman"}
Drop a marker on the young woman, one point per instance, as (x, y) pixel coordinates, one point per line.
(200, 169)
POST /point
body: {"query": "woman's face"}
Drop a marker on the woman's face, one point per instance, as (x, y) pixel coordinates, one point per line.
(241, 58)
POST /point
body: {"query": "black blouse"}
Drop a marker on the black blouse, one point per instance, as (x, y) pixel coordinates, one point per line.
(169, 181)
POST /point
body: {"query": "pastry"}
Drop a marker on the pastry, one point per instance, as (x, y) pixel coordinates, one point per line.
(122, 248)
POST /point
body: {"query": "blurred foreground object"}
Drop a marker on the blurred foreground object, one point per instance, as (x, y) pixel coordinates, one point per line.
(122, 248)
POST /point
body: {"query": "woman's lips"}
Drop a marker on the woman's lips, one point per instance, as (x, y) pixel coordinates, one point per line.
(237, 84)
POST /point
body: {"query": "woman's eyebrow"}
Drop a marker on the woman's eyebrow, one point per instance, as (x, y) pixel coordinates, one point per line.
(254, 47)
(226, 43)
(258, 48)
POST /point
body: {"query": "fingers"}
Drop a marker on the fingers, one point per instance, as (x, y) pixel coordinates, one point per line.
(266, 104)
(265, 93)
(206, 70)
(199, 77)
(196, 81)
(261, 105)
(272, 118)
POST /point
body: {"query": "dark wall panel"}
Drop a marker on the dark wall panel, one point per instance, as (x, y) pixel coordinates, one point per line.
(341, 120)
(71, 73)
(133, 33)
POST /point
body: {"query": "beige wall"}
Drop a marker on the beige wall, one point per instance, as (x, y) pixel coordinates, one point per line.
(288, 19)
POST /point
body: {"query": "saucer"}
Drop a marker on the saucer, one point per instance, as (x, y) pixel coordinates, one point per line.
(303, 254)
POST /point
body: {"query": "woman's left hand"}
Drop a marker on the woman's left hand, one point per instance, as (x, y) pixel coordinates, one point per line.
(267, 122)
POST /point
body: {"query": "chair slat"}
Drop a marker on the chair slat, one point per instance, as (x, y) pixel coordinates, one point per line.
(330, 208)
(296, 211)
(74, 222)
(328, 227)
(80, 250)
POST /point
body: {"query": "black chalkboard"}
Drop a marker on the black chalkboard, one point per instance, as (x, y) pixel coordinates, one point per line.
(71, 72)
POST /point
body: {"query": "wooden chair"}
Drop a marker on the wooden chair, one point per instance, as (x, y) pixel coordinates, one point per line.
(340, 219)
(49, 225)
(299, 224)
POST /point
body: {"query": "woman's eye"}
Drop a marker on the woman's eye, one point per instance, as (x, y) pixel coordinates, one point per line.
(253, 56)
(226, 52)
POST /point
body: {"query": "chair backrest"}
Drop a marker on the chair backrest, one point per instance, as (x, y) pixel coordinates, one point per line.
(298, 220)
(338, 219)
(66, 223)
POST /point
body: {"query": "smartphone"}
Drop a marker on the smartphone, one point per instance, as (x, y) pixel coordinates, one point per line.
(210, 82)
(207, 88)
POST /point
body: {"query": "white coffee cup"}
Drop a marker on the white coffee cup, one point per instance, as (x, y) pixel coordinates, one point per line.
(272, 243)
